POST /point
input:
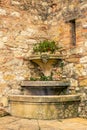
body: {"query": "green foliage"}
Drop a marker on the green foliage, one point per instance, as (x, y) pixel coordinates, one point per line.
(61, 64)
(42, 78)
(33, 79)
(46, 78)
(45, 46)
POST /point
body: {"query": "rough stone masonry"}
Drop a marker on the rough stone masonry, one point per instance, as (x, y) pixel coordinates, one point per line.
(27, 22)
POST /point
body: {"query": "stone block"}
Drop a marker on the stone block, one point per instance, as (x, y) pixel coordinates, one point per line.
(83, 60)
(74, 82)
(4, 101)
(72, 60)
(2, 11)
(83, 82)
(15, 14)
(9, 77)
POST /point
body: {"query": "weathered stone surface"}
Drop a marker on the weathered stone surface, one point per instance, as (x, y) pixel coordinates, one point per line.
(83, 82)
(80, 69)
(74, 82)
(25, 23)
(9, 122)
(45, 83)
(72, 60)
(2, 11)
(83, 60)
(2, 110)
(44, 107)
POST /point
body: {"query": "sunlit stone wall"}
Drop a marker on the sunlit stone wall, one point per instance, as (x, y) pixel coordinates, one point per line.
(26, 22)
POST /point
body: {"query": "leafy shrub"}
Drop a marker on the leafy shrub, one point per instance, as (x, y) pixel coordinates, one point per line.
(45, 46)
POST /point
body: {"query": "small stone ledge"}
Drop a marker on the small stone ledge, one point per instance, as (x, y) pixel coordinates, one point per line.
(27, 83)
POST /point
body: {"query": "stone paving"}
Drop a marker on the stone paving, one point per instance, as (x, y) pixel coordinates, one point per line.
(14, 123)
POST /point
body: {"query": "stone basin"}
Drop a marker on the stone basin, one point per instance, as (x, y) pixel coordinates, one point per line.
(44, 107)
(44, 87)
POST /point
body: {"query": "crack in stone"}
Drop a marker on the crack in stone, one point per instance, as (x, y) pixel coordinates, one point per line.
(38, 125)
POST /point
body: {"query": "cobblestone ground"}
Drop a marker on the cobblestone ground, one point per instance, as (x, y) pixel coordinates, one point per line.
(13, 123)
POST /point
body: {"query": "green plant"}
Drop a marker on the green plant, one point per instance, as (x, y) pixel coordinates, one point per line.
(46, 78)
(42, 78)
(61, 64)
(45, 46)
(33, 79)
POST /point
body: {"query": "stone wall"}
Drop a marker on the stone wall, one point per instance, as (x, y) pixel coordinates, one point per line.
(24, 23)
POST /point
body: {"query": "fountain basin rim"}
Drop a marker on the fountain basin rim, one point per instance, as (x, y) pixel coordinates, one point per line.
(27, 83)
(44, 99)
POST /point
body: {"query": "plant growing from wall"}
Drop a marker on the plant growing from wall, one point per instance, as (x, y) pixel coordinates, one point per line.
(61, 64)
(46, 78)
(46, 46)
(33, 79)
(42, 78)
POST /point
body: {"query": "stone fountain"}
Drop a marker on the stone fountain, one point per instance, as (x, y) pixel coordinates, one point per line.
(44, 99)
